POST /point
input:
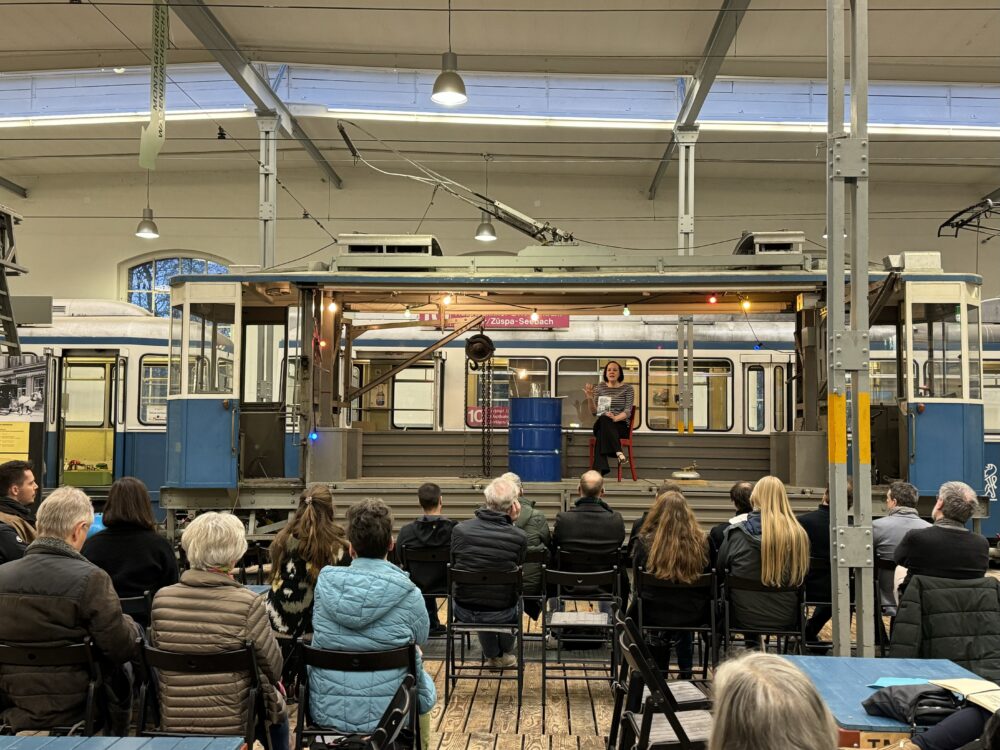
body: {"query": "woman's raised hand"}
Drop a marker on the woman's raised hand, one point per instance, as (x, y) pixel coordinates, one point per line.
(589, 389)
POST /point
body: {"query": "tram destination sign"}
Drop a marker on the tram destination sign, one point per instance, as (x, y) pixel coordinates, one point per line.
(504, 322)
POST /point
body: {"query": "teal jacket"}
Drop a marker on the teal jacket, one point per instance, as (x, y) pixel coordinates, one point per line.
(370, 606)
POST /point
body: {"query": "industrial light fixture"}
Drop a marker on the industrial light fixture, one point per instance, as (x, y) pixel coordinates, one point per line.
(332, 307)
(534, 316)
(713, 299)
(485, 231)
(447, 299)
(625, 311)
(745, 304)
(449, 88)
(147, 228)
(406, 313)
(119, 70)
(826, 235)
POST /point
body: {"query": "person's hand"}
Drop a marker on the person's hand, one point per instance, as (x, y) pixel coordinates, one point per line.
(589, 390)
(515, 510)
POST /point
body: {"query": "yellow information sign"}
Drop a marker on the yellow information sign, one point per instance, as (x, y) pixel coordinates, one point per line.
(14, 441)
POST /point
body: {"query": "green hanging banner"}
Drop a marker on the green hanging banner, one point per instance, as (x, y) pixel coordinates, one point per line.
(155, 133)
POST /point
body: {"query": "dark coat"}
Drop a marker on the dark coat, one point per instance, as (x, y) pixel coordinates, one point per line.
(490, 541)
(427, 531)
(53, 596)
(676, 608)
(942, 618)
(944, 550)
(532, 522)
(12, 546)
(17, 531)
(592, 534)
(137, 559)
(817, 526)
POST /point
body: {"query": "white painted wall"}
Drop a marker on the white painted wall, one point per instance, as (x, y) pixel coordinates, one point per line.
(78, 227)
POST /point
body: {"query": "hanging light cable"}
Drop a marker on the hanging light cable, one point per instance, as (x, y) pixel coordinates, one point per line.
(485, 232)
(449, 88)
(147, 228)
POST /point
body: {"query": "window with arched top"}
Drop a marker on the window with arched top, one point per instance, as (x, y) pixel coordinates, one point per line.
(147, 283)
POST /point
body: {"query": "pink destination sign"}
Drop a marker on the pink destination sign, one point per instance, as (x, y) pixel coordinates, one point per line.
(506, 321)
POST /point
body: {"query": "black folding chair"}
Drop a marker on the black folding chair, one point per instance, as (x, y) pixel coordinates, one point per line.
(390, 726)
(701, 623)
(732, 620)
(423, 563)
(881, 636)
(239, 661)
(255, 556)
(140, 608)
(662, 723)
(404, 657)
(75, 655)
(459, 670)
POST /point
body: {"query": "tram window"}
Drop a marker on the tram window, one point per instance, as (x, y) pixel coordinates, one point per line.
(975, 358)
(210, 350)
(991, 396)
(513, 377)
(779, 398)
(413, 399)
(572, 373)
(713, 403)
(356, 403)
(882, 374)
(84, 396)
(176, 331)
(937, 329)
(755, 398)
(153, 390)
(263, 362)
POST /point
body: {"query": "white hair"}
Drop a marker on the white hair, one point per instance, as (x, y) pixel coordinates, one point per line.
(501, 494)
(214, 540)
(514, 479)
(61, 511)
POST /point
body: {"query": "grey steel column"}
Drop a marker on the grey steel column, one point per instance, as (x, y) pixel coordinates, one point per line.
(687, 137)
(267, 125)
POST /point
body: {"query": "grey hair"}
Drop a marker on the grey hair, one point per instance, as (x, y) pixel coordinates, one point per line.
(501, 494)
(62, 510)
(214, 540)
(958, 501)
(763, 701)
(904, 493)
(514, 479)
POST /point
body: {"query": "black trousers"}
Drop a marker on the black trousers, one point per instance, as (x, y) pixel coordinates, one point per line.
(959, 729)
(608, 435)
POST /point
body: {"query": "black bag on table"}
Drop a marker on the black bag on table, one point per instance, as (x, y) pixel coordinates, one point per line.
(918, 705)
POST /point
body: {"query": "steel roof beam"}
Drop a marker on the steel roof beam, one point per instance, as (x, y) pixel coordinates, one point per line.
(214, 38)
(13, 187)
(727, 23)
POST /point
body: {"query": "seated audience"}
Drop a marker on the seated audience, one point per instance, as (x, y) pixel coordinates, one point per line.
(309, 542)
(17, 522)
(819, 586)
(370, 606)
(673, 548)
(490, 542)
(970, 728)
(739, 494)
(130, 549)
(763, 702)
(533, 523)
(771, 547)
(54, 596)
(210, 612)
(432, 529)
(667, 485)
(888, 532)
(947, 549)
(590, 533)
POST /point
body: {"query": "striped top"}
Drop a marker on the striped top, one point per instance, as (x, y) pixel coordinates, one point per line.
(622, 399)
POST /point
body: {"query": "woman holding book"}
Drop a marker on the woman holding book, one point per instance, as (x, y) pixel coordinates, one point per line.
(611, 401)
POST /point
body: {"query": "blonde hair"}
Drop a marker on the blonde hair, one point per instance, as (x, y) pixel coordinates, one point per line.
(677, 549)
(784, 545)
(61, 511)
(763, 702)
(214, 540)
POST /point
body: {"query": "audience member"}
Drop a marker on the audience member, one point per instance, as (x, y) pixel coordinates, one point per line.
(763, 702)
(888, 532)
(947, 549)
(819, 584)
(535, 526)
(54, 596)
(370, 606)
(739, 494)
(771, 547)
(130, 550)
(432, 529)
(17, 522)
(309, 542)
(969, 728)
(210, 612)
(490, 542)
(667, 485)
(673, 549)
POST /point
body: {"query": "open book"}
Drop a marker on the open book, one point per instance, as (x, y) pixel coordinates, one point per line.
(603, 404)
(982, 693)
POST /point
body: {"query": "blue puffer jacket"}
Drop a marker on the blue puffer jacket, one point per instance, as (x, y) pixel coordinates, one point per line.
(370, 606)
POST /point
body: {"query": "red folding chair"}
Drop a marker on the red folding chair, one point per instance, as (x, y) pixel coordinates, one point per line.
(626, 446)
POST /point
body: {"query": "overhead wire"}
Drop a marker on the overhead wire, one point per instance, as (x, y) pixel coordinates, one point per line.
(561, 9)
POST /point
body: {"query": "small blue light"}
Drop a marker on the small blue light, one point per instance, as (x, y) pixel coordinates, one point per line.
(314, 436)
(757, 346)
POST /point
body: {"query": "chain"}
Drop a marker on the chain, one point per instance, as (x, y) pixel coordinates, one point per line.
(486, 424)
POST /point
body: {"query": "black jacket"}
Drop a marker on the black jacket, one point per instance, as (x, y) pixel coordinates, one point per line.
(17, 529)
(137, 559)
(941, 618)
(12, 546)
(944, 550)
(592, 534)
(679, 607)
(490, 541)
(427, 531)
(817, 526)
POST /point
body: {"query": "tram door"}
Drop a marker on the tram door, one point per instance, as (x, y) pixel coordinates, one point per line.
(766, 394)
(90, 407)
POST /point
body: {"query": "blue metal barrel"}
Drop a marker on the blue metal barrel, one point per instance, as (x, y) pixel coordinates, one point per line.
(535, 439)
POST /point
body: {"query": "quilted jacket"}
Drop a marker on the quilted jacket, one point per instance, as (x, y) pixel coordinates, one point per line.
(370, 606)
(207, 613)
(941, 618)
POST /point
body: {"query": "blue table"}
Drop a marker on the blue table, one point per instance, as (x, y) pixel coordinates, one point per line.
(257, 589)
(121, 743)
(843, 682)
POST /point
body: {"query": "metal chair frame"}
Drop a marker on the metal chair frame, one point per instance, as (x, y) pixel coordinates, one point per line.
(736, 583)
(436, 555)
(625, 443)
(138, 605)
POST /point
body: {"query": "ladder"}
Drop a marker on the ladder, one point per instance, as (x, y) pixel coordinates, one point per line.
(8, 267)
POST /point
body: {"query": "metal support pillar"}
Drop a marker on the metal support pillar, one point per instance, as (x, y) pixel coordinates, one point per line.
(267, 125)
(847, 338)
(686, 138)
(685, 374)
